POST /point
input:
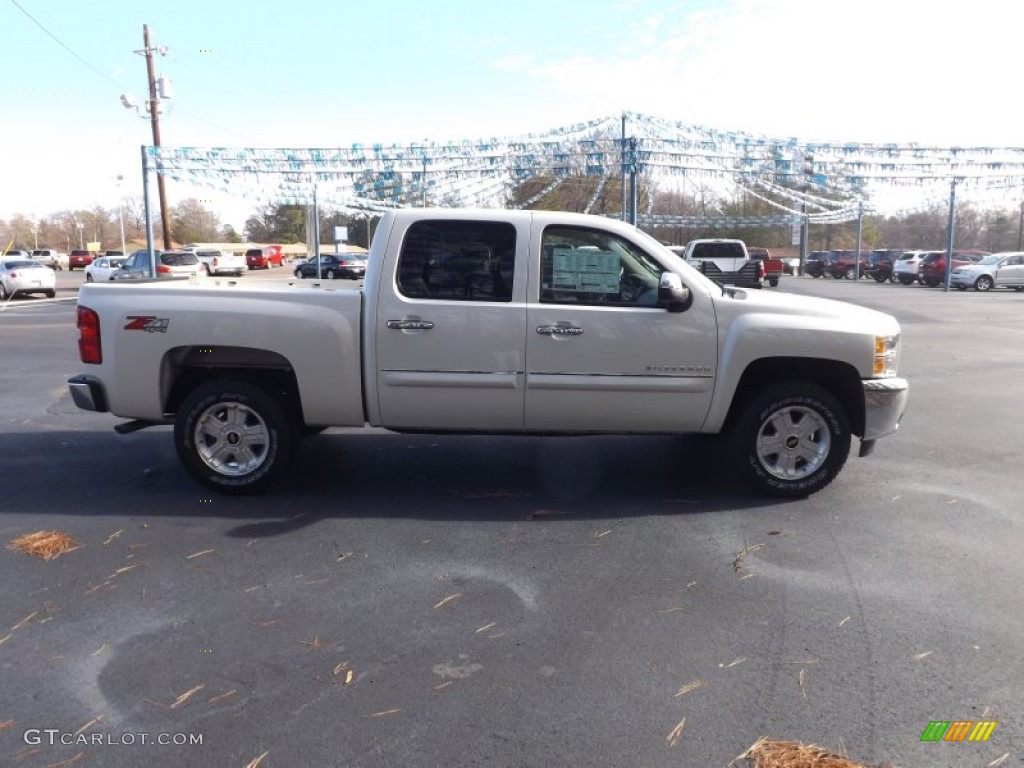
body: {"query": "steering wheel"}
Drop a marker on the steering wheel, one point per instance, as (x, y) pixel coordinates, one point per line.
(630, 288)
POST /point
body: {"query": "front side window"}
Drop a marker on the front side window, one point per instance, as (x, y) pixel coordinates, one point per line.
(586, 266)
(458, 261)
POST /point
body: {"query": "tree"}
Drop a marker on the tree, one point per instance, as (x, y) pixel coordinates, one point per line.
(191, 222)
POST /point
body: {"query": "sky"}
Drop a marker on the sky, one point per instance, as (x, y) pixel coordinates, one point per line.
(312, 73)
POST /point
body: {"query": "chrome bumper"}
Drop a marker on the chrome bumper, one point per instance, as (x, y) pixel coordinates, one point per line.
(885, 400)
(88, 393)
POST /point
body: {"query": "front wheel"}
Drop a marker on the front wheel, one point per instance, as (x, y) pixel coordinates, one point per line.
(851, 273)
(773, 282)
(791, 439)
(983, 283)
(234, 437)
(88, 277)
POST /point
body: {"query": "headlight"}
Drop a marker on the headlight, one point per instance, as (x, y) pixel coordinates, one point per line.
(887, 355)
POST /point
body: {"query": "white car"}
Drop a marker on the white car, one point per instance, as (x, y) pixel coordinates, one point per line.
(102, 268)
(26, 276)
(51, 258)
(999, 269)
(904, 268)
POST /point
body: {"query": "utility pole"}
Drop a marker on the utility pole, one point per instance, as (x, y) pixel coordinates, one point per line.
(154, 118)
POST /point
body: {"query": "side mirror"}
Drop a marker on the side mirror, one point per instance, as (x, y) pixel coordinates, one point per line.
(672, 294)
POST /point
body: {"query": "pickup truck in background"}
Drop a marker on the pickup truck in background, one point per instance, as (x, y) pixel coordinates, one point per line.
(772, 269)
(724, 261)
(214, 261)
(493, 322)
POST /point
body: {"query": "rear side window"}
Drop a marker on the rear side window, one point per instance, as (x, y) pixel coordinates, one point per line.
(458, 261)
(179, 259)
(717, 251)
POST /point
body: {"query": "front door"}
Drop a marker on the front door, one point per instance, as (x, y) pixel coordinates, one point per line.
(601, 354)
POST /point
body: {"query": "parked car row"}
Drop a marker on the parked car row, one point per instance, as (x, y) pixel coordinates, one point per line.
(969, 268)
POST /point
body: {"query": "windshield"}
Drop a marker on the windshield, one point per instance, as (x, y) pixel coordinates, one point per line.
(988, 260)
(22, 264)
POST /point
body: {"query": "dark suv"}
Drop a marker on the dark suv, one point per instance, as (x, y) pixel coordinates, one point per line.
(932, 269)
(815, 263)
(880, 262)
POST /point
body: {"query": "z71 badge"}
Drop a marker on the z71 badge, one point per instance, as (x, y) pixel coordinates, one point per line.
(146, 323)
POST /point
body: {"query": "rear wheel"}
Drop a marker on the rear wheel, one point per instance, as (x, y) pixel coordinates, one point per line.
(880, 278)
(88, 277)
(983, 283)
(851, 273)
(773, 281)
(331, 274)
(791, 439)
(51, 294)
(234, 437)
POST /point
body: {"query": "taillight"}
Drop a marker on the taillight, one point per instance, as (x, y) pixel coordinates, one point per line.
(760, 271)
(89, 348)
(14, 274)
(163, 269)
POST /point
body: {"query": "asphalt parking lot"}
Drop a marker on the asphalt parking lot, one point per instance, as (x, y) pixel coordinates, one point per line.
(461, 601)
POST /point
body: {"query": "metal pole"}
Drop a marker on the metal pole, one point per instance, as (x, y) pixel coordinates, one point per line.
(949, 231)
(632, 181)
(860, 222)
(120, 213)
(149, 214)
(154, 109)
(622, 167)
(1020, 229)
(316, 230)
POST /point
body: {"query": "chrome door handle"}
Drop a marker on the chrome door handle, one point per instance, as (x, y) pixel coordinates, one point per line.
(410, 325)
(559, 330)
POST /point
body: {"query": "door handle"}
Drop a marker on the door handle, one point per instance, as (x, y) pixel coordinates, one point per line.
(559, 330)
(410, 325)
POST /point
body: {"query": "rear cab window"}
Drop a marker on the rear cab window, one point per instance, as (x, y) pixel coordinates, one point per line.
(455, 260)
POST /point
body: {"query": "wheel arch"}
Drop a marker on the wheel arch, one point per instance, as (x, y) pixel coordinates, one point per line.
(183, 369)
(838, 378)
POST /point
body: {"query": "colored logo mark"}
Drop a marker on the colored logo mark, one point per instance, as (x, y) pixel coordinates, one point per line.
(958, 730)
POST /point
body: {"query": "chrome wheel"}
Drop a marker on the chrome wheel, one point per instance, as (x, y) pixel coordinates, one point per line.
(983, 283)
(231, 439)
(793, 442)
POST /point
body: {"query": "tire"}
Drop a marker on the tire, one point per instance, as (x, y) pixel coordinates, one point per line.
(51, 294)
(880, 278)
(906, 280)
(300, 274)
(331, 275)
(3, 292)
(88, 277)
(931, 283)
(221, 419)
(773, 281)
(791, 439)
(984, 283)
(851, 273)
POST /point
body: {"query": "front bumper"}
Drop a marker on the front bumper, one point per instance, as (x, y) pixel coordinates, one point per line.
(885, 400)
(87, 393)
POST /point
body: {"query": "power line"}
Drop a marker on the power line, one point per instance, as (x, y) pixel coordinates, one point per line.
(64, 45)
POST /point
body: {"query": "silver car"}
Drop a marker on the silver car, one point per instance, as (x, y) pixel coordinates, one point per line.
(999, 269)
(168, 264)
(26, 276)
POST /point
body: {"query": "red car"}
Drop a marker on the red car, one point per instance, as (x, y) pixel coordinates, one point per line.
(264, 258)
(79, 258)
(932, 269)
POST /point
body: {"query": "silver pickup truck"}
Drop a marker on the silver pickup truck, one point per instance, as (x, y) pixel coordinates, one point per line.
(499, 322)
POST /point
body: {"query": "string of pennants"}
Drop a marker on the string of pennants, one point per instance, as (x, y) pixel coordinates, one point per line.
(374, 177)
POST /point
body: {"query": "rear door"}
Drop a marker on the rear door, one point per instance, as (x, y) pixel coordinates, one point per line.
(450, 327)
(601, 354)
(1011, 272)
